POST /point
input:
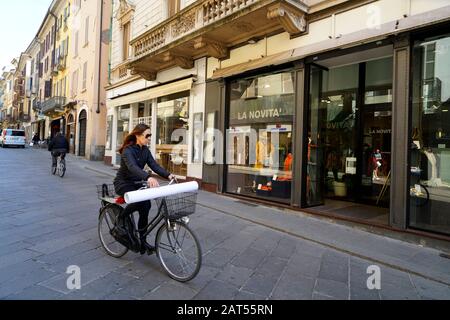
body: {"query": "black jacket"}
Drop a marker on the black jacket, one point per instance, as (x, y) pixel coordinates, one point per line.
(134, 159)
(58, 143)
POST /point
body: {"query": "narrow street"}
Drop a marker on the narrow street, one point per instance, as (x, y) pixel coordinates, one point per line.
(249, 252)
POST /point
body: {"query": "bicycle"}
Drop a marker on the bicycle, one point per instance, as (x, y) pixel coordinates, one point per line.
(176, 245)
(60, 168)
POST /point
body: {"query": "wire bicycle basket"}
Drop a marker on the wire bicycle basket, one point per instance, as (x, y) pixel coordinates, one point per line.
(106, 191)
(178, 205)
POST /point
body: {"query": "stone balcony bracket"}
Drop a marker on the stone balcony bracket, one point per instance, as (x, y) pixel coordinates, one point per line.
(292, 19)
(149, 75)
(184, 62)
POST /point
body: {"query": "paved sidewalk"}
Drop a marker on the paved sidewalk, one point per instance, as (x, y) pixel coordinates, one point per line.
(384, 250)
(250, 251)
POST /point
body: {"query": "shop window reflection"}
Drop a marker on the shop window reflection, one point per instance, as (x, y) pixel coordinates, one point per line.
(171, 134)
(430, 136)
(259, 137)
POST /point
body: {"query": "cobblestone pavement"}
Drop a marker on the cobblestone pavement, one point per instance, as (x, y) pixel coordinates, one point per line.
(249, 252)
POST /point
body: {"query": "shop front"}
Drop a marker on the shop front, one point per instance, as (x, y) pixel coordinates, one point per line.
(325, 134)
(349, 133)
(172, 129)
(429, 154)
(165, 109)
(56, 125)
(70, 132)
(259, 137)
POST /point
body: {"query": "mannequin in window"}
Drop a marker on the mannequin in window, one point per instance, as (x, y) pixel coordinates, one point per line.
(264, 152)
(377, 161)
(288, 163)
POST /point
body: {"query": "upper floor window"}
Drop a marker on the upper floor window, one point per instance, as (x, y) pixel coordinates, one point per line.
(76, 44)
(124, 15)
(76, 6)
(83, 87)
(126, 41)
(173, 6)
(86, 32)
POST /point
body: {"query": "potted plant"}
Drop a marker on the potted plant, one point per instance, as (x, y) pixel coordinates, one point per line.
(340, 187)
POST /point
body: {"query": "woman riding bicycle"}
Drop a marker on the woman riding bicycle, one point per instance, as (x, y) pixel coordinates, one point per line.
(135, 155)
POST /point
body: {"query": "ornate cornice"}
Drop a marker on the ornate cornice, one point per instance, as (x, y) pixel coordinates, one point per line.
(292, 19)
(125, 11)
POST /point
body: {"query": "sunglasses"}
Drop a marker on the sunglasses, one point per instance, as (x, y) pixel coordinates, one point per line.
(148, 136)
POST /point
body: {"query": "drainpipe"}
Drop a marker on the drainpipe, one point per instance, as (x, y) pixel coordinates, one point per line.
(53, 60)
(110, 41)
(100, 57)
(54, 37)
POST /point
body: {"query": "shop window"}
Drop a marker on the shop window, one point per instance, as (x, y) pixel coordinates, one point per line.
(172, 132)
(109, 132)
(123, 124)
(259, 137)
(430, 135)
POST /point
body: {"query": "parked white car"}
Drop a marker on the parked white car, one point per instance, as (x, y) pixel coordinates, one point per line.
(12, 137)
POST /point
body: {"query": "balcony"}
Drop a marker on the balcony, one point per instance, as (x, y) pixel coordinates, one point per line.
(209, 28)
(23, 117)
(120, 72)
(54, 104)
(36, 105)
(61, 63)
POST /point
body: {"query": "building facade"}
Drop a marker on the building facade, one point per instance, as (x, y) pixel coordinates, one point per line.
(88, 58)
(9, 110)
(334, 107)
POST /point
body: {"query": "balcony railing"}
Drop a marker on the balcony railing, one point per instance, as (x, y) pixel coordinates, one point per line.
(36, 105)
(120, 72)
(53, 104)
(209, 28)
(202, 15)
(23, 117)
(61, 65)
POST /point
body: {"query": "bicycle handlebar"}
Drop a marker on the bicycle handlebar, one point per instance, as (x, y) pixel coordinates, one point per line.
(144, 182)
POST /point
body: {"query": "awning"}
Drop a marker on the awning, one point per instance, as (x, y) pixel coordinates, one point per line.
(151, 93)
(272, 60)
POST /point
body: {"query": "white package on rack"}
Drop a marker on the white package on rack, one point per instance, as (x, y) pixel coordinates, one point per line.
(159, 192)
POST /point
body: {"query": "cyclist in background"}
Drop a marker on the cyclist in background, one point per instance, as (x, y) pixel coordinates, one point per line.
(58, 146)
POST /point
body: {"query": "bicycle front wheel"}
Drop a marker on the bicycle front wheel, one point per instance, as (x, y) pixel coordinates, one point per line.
(178, 251)
(106, 223)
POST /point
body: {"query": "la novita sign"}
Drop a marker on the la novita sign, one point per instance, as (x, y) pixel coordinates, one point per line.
(259, 114)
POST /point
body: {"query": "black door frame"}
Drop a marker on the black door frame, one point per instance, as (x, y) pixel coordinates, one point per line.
(82, 133)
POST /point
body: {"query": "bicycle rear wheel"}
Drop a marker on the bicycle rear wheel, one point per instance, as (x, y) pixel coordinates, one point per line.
(106, 222)
(62, 168)
(178, 251)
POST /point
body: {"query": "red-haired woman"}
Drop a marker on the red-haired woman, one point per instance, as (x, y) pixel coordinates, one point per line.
(135, 155)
